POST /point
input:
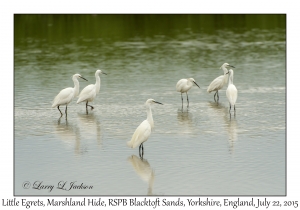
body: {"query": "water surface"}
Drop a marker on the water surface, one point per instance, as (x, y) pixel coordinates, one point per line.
(202, 150)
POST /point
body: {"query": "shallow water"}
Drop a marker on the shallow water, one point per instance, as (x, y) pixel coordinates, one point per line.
(202, 150)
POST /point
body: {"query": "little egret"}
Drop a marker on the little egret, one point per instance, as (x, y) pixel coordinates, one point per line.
(66, 95)
(89, 93)
(231, 91)
(183, 86)
(143, 131)
(219, 82)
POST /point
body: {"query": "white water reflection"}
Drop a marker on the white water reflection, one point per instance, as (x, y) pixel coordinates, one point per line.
(69, 134)
(185, 122)
(90, 127)
(231, 128)
(143, 170)
(229, 122)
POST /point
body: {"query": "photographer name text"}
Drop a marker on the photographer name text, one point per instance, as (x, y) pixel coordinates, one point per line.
(61, 185)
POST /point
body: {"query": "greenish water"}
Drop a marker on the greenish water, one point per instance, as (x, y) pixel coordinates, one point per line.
(200, 151)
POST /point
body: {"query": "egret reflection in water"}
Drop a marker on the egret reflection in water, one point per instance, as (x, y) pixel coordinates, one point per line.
(144, 171)
(69, 134)
(231, 129)
(220, 112)
(90, 126)
(220, 107)
(185, 117)
(216, 112)
(185, 121)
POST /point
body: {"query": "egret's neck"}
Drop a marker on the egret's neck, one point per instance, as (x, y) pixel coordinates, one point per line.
(230, 79)
(76, 87)
(149, 115)
(225, 78)
(97, 83)
(225, 70)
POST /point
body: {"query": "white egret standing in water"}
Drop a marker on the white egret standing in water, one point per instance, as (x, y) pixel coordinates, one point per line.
(218, 83)
(231, 91)
(65, 96)
(183, 86)
(143, 131)
(89, 93)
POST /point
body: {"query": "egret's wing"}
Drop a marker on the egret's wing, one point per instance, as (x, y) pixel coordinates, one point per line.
(86, 93)
(140, 135)
(216, 84)
(63, 97)
(180, 84)
(231, 94)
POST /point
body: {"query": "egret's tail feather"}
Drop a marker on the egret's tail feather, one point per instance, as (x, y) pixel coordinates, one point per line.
(54, 102)
(129, 144)
(79, 100)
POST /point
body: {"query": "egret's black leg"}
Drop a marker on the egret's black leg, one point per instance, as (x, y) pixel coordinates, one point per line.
(89, 106)
(181, 101)
(66, 110)
(234, 110)
(87, 112)
(229, 107)
(215, 96)
(187, 98)
(142, 150)
(218, 94)
(58, 122)
(60, 111)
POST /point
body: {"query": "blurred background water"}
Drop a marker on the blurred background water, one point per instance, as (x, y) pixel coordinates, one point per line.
(202, 150)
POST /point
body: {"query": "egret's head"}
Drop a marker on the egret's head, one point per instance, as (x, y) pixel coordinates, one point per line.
(226, 65)
(151, 101)
(193, 81)
(78, 76)
(100, 72)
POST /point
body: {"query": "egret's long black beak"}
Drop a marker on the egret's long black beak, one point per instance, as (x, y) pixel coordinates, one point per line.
(231, 66)
(227, 72)
(158, 102)
(196, 84)
(83, 78)
(104, 73)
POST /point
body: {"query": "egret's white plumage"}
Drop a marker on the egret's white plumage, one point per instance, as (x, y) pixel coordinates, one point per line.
(184, 85)
(89, 93)
(231, 91)
(65, 96)
(143, 131)
(218, 83)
